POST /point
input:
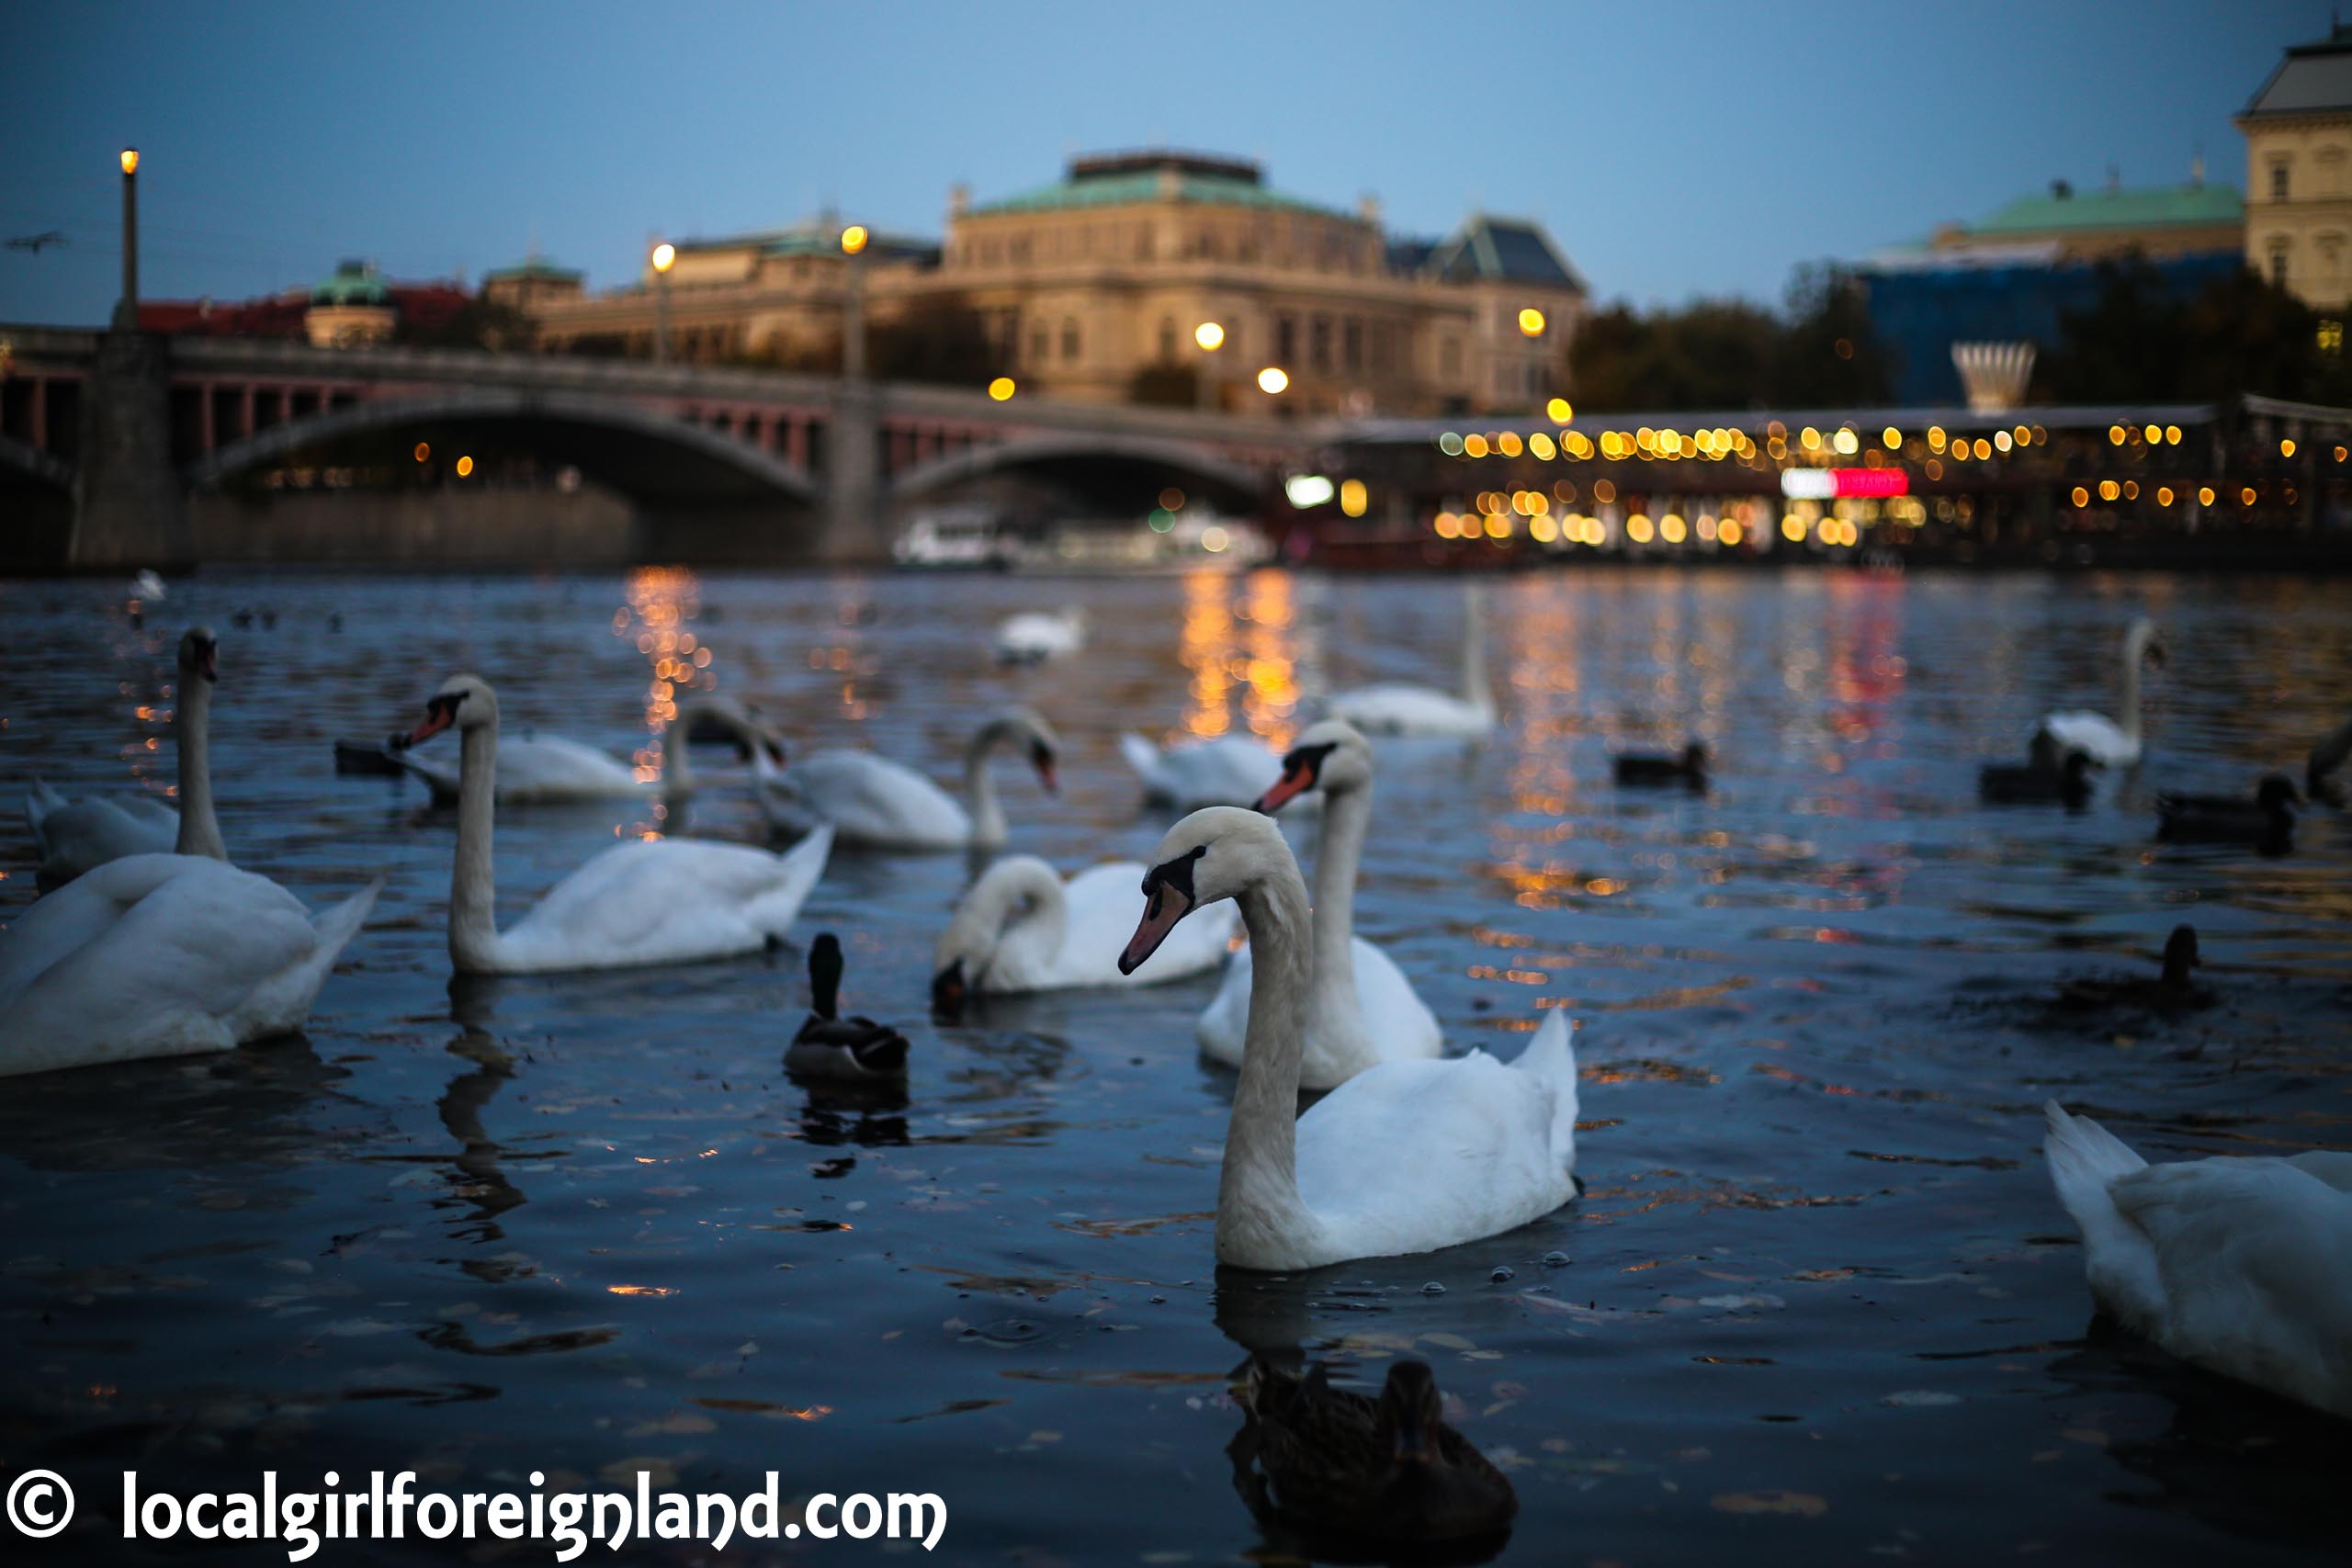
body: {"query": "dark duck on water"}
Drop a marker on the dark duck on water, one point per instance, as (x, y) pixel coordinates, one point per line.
(2172, 990)
(2039, 780)
(1687, 767)
(1338, 1466)
(2267, 820)
(837, 1049)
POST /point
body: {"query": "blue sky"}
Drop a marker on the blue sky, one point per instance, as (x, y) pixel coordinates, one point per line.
(1674, 148)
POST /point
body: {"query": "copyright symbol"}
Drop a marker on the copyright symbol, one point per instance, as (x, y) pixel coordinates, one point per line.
(40, 1503)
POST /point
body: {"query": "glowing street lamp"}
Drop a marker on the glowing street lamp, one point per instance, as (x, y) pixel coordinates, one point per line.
(1001, 388)
(1210, 337)
(854, 239)
(665, 256)
(1274, 380)
(1531, 323)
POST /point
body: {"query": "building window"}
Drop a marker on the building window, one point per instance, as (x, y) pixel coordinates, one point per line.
(1352, 344)
(1070, 337)
(2278, 180)
(1319, 341)
(1167, 340)
(1449, 358)
(1285, 339)
(1040, 344)
(2279, 266)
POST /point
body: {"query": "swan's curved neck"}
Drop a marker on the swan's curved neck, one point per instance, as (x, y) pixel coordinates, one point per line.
(1258, 1186)
(473, 889)
(2133, 647)
(979, 790)
(994, 910)
(1475, 691)
(200, 828)
(677, 769)
(1347, 820)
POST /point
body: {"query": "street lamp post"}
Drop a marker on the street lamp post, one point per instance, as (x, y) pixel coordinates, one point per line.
(126, 311)
(854, 241)
(1210, 336)
(665, 256)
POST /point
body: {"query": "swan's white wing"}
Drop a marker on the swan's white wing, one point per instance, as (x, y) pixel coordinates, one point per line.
(872, 800)
(150, 956)
(1103, 903)
(1397, 1024)
(1409, 710)
(2095, 735)
(2256, 1257)
(1408, 1156)
(552, 767)
(74, 835)
(665, 901)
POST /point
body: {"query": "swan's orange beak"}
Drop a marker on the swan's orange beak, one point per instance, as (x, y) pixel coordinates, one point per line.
(440, 713)
(1167, 906)
(1295, 781)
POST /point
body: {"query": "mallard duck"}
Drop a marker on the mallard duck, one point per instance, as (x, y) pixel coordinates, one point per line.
(2266, 821)
(1387, 1471)
(2171, 991)
(855, 1050)
(2327, 754)
(1687, 768)
(2036, 780)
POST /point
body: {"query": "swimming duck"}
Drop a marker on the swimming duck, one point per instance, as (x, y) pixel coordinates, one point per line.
(853, 1049)
(2266, 821)
(1387, 1470)
(2171, 990)
(2037, 780)
(1687, 768)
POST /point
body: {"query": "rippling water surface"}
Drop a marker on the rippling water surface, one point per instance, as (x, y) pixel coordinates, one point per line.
(1818, 1296)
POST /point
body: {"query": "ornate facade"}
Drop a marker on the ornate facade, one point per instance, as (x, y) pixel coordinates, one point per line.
(2299, 173)
(1094, 288)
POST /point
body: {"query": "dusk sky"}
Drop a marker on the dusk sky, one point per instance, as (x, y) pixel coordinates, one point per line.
(1673, 149)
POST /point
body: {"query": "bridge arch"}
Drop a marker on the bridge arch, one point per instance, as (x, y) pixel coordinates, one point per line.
(585, 416)
(1023, 451)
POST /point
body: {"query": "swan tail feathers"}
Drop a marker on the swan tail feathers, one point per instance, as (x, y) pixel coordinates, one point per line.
(338, 925)
(1551, 1056)
(2120, 1260)
(803, 867)
(1141, 754)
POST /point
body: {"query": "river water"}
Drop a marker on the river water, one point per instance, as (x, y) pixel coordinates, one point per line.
(1817, 1296)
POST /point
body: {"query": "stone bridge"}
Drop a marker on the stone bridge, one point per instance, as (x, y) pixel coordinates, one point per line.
(118, 433)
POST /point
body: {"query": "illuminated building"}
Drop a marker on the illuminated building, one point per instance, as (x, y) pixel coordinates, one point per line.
(1094, 287)
(2297, 141)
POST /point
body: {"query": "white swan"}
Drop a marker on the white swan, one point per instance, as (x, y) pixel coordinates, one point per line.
(72, 836)
(2242, 1266)
(644, 901)
(162, 955)
(874, 801)
(1036, 635)
(1402, 709)
(1406, 1156)
(550, 769)
(1227, 770)
(2097, 737)
(1021, 928)
(1361, 1010)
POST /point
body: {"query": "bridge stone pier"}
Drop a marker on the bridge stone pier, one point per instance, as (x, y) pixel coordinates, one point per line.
(155, 451)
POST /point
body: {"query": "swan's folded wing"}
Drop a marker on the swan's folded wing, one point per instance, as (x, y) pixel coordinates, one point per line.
(874, 799)
(1408, 1156)
(556, 764)
(73, 917)
(158, 950)
(650, 900)
(2255, 1255)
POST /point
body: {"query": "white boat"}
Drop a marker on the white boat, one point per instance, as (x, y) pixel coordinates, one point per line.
(1198, 541)
(970, 537)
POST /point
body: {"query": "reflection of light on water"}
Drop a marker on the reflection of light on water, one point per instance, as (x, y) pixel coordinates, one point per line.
(1270, 661)
(1206, 646)
(1252, 647)
(661, 600)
